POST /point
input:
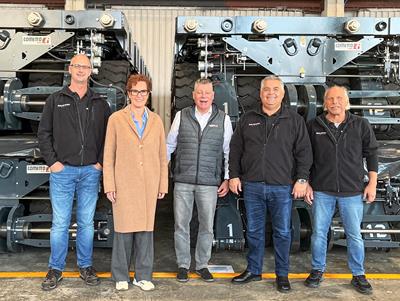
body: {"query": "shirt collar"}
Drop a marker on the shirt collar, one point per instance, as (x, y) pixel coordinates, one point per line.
(199, 113)
(144, 116)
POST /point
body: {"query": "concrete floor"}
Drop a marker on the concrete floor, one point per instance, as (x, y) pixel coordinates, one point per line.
(35, 260)
(74, 289)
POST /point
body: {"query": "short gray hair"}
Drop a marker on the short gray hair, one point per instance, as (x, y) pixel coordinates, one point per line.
(202, 81)
(272, 77)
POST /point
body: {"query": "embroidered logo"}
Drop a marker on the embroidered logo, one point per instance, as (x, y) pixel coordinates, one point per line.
(320, 133)
(64, 105)
(254, 124)
(213, 125)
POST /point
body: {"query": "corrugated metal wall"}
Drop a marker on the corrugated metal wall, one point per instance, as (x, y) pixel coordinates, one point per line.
(379, 13)
(154, 31)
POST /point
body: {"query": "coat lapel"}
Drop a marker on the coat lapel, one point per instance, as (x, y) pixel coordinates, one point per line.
(128, 119)
(149, 125)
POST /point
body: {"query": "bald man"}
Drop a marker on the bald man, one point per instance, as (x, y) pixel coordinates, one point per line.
(71, 137)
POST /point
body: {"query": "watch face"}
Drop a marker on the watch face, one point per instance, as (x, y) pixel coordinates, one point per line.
(302, 181)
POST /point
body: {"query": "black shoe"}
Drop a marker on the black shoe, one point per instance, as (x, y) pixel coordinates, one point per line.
(314, 279)
(89, 276)
(205, 275)
(282, 284)
(53, 277)
(182, 275)
(361, 284)
(246, 277)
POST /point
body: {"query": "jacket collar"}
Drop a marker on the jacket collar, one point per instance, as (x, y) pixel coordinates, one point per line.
(90, 93)
(321, 119)
(283, 112)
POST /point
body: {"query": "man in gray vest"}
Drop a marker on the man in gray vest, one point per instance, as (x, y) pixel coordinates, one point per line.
(200, 137)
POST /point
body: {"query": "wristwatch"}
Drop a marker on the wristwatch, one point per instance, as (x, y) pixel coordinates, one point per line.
(302, 181)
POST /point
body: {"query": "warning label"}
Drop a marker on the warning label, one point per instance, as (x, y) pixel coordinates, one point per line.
(36, 40)
(37, 169)
(347, 46)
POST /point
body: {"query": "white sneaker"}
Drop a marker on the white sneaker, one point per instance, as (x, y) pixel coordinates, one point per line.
(121, 285)
(144, 284)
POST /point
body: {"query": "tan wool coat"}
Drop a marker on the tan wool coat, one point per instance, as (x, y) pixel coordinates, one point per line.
(136, 169)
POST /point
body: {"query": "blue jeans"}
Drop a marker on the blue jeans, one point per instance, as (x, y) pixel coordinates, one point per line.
(84, 180)
(277, 199)
(351, 213)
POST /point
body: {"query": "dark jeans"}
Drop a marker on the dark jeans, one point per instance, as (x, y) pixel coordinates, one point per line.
(277, 199)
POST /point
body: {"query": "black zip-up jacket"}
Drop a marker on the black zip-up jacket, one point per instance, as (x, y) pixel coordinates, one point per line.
(61, 134)
(338, 163)
(277, 157)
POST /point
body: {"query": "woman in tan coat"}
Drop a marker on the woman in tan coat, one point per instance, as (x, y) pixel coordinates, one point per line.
(135, 176)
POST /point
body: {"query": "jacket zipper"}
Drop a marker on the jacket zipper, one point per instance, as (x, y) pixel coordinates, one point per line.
(336, 147)
(80, 128)
(201, 138)
(336, 150)
(266, 142)
(269, 135)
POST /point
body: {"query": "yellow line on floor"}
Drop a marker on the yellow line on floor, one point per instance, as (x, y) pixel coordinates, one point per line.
(167, 275)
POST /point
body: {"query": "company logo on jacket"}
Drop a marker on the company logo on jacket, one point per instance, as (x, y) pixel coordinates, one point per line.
(255, 124)
(320, 133)
(64, 105)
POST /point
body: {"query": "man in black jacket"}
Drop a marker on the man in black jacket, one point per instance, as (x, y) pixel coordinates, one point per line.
(270, 153)
(71, 137)
(340, 142)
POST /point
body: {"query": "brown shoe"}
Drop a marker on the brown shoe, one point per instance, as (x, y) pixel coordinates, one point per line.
(89, 276)
(52, 279)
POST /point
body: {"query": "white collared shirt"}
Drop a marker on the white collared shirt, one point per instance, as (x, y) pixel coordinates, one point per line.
(172, 138)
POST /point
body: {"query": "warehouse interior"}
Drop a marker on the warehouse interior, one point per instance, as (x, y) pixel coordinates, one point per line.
(153, 26)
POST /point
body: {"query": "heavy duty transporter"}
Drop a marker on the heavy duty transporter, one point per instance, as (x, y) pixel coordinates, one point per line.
(309, 54)
(35, 49)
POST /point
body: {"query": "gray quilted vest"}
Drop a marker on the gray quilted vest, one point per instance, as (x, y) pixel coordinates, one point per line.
(199, 155)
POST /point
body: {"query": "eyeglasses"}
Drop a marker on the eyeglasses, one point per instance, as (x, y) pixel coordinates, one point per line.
(138, 92)
(79, 66)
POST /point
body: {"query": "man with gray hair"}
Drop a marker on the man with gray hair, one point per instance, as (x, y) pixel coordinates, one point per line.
(200, 137)
(340, 142)
(270, 158)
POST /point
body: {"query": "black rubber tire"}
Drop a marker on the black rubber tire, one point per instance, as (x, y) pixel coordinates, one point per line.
(393, 131)
(39, 207)
(2, 84)
(185, 76)
(339, 81)
(115, 73)
(36, 79)
(248, 91)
